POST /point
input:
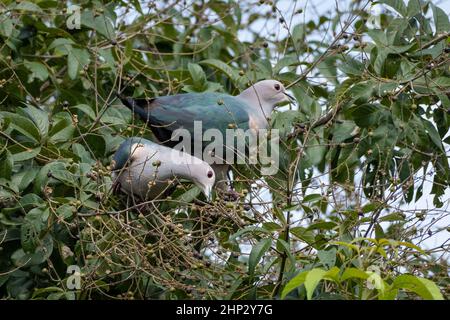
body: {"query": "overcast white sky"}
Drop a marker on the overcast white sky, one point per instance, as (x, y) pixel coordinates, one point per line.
(313, 9)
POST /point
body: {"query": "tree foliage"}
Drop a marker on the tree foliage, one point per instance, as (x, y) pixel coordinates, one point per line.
(342, 219)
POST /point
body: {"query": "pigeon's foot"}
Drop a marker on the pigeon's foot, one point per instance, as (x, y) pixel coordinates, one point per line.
(116, 187)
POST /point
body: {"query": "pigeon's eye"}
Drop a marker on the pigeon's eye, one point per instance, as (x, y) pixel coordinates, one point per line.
(210, 174)
(277, 86)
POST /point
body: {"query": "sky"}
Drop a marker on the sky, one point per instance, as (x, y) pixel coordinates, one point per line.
(314, 8)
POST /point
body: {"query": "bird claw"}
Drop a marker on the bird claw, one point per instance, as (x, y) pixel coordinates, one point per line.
(116, 187)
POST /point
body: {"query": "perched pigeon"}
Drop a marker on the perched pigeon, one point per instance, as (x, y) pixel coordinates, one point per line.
(250, 109)
(146, 169)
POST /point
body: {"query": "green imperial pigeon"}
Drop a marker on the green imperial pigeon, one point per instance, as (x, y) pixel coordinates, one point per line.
(146, 169)
(250, 109)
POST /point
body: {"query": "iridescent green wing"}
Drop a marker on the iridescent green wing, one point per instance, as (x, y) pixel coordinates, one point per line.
(213, 110)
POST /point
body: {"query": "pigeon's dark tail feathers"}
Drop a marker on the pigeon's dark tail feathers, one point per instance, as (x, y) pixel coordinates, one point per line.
(132, 105)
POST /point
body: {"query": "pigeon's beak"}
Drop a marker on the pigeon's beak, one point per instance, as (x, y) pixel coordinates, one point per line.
(283, 98)
(207, 190)
(291, 99)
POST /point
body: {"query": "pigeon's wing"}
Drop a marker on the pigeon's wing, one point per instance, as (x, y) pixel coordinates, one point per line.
(122, 155)
(214, 110)
(133, 168)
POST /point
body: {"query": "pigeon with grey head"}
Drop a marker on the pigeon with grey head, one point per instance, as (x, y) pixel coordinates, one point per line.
(248, 110)
(145, 169)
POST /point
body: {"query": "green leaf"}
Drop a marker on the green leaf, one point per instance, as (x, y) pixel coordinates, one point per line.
(352, 67)
(102, 24)
(65, 43)
(213, 86)
(272, 226)
(62, 130)
(6, 27)
(393, 217)
(400, 49)
(327, 257)
(328, 69)
(65, 177)
(441, 82)
(422, 287)
(81, 152)
(256, 254)
(30, 230)
(262, 69)
(441, 20)
(6, 164)
(312, 197)
(312, 280)
(287, 61)
(303, 234)
(23, 152)
(433, 134)
(198, 76)
(414, 7)
(298, 34)
(28, 6)
(38, 292)
(39, 117)
(354, 273)
(96, 144)
(283, 246)
(23, 178)
(37, 69)
(65, 211)
(379, 37)
(412, 246)
(333, 274)
(283, 121)
(86, 110)
(361, 91)
(365, 115)
(42, 177)
(379, 61)
(76, 60)
(23, 125)
(229, 71)
(397, 5)
(315, 151)
(369, 207)
(295, 282)
(42, 252)
(346, 245)
(322, 225)
(379, 232)
(374, 281)
(116, 116)
(190, 195)
(343, 130)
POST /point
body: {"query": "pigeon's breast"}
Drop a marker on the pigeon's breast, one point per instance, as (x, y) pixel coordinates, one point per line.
(257, 122)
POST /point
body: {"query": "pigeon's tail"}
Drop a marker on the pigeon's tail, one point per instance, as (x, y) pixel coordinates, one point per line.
(132, 105)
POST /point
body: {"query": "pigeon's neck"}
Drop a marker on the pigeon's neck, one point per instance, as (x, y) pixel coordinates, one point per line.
(186, 166)
(260, 109)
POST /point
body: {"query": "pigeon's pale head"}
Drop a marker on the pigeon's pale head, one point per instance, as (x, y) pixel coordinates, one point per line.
(205, 179)
(271, 92)
(268, 92)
